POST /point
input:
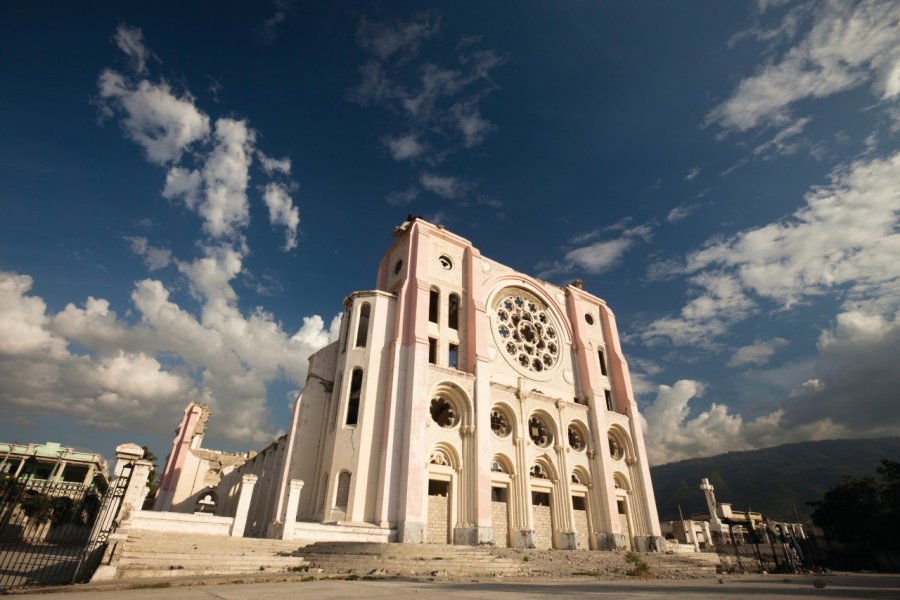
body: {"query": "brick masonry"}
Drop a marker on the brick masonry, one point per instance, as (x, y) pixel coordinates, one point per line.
(438, 528)
(543, 527)
(581, 528)
(500, 524)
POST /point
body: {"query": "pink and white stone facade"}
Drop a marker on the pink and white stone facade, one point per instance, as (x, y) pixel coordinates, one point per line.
(460, 377)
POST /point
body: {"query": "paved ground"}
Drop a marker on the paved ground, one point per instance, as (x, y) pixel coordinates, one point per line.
(756, 587)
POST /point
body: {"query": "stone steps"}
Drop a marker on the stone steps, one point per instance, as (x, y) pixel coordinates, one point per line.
(152, 555)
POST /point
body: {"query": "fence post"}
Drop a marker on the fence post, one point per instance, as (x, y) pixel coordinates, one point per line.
(290, 517)
(248, 482)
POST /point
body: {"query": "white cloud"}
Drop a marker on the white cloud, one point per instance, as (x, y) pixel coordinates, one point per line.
(267, 30)
(443, 186)
(225, 174)
(154, 258)
(164, 124)
(387, 39)
(130, 40)
(692, 173)
(757, 353)
(402, 197)
(183, 183)
(779, 144)
(844, 241)
(404, 147)
(274, 165)
(473, 127)
(847, 45)
(680, 212)
(283, 212)
(599, 256)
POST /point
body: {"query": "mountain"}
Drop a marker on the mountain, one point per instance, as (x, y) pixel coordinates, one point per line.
(772, 481)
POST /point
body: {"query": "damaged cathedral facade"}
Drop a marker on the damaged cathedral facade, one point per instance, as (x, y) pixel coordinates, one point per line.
(463, 403)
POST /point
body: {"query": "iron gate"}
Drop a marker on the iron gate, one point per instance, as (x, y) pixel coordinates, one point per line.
(54, 532)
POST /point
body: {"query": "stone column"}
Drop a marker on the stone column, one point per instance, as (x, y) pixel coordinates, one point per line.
(290, 517)
(248, 482)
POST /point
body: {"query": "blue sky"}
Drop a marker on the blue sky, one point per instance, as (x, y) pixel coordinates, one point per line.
(189, 190)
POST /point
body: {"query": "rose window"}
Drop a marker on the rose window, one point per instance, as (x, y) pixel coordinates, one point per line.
(576, 439)
(443, 413)
(526, 332)
(616, 451)
(499, 423)
(539, 432)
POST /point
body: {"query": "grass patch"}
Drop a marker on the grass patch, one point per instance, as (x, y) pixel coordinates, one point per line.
(638, 567)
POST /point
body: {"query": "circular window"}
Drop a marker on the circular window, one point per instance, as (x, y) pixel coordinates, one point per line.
(499, 423)
(539, 432)
(444, 413)
(576, 438)
(589, 318)
(445, 261)
(397, 266)
(616, 450)
(525, 330)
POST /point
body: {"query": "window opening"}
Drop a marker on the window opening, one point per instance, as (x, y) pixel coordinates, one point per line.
(362, 331)
(438, 488)
(443, 413)
(453, 357)
(445, 261)
(353, 403)
(621, 506)
(453, 312)
(345, 330)
(537, 471)
(602, 358)
(609, 400)
(397, 266)
(498, 494)
(433, 299)
(540, 499)
(432, 351)
(499, 423)
(616, 451)
(589, 318)
(576, 439)
(578, 503)
(538, 432)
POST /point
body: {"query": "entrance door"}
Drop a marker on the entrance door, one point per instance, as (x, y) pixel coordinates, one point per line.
(438, 528)
(500, 516)
(582, 529)
(543, 519)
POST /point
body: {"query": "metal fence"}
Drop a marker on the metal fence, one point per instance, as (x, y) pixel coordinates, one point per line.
(54, 532)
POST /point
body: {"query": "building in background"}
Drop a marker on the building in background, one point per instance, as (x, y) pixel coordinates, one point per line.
(54, 462)
(464, 403)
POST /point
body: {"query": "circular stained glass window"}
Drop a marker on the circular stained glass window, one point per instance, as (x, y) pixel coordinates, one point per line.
(499, 423)
(526, 332)
(539, 432)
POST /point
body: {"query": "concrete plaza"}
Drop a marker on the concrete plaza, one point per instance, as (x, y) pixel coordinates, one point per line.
(757, 587)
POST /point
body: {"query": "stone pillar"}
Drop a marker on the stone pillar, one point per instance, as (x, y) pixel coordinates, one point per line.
(89, 476)
(137, 489)
(290, 517)
(248, 482)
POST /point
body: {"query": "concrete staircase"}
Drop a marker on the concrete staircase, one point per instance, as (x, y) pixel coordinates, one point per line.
(152, 555)
(409, 560)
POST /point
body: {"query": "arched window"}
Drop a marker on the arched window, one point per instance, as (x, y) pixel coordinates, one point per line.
(362, 332)
(453, 312)
(353, 402)
(433, 300)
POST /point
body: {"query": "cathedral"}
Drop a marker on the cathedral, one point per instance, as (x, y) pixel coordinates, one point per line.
(463, 403)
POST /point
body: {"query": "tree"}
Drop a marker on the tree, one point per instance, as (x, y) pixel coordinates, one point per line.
(151, 480)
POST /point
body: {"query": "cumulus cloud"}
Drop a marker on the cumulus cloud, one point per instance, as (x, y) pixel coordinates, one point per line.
(130, 41)
(756, 354)
(443, 186)
(226, 357)
(404, 147)
(843, 241)
(226, 175)
(283, 212)
(164, 124)
(155, 258)
(596, 256)
(274, 165)
(848, 44)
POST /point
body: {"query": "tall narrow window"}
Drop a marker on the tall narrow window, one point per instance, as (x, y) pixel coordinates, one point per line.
(453, 312)
(433, 299)
(345, 330)
(432, 350)
(602, 358)
(362, 331)
(453, 357)
(353, 402)
(609, 401)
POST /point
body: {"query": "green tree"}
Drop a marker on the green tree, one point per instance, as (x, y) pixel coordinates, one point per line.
(151, 481)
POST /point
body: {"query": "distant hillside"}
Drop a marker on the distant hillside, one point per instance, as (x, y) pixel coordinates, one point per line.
(770, 480)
